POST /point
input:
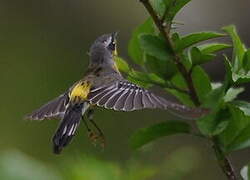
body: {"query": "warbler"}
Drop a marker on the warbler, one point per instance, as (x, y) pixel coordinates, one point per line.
(103, 86)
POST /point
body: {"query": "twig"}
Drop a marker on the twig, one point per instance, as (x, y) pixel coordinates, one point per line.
(165, 15)
(222, 159)
(170, 46)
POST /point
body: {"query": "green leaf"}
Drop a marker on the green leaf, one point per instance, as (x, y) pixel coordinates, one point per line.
(243, 106)
(122, 65)
(194, 38)
(179, 82)
(200, 58)
(182, 97)
(229, 73)
(165, 69)
(240, 77)
(237, 134)
(156, 79)
(214, 98)
(234, 77)
(134, 49)
(139, 78)
(146, 135)
(241, 141)
(158, 6)
(246, 61)
(239, 47)
(173, 7)
(216, 85)
(232, 93)
(201, 82)
(154, 46)
(145, 79)
(186, 60)
(213, 47)
(175, 37)
(214, 123)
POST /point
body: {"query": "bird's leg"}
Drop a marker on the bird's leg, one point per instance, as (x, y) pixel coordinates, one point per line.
(86, 124)
(100, 135)
(91, 134)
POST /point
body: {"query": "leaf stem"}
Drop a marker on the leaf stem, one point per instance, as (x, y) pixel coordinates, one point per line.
(222, 159)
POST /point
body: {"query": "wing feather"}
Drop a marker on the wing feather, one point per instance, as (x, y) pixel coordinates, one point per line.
(112, 100)
(126, 96)
(138, 100)
(120, 103)
(146, 101)
(54, 108)
(129, 102)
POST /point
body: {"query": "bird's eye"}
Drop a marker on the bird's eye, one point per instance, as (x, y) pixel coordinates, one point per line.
(105, 42)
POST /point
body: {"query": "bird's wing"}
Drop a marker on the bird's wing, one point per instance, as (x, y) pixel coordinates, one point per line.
(53, 109)
(126, 96)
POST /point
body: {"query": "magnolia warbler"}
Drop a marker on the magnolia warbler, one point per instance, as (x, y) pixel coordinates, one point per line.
(103, 86)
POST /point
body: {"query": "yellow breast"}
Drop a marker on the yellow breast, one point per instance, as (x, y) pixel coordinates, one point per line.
(80, 91)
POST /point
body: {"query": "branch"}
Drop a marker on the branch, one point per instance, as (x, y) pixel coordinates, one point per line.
(176, 56)
(223, 161)
(165, 15)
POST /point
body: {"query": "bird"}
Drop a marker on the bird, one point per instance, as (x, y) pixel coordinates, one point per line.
(103, 86)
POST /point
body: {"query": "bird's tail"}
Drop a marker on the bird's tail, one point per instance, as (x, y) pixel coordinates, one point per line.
(68, 126)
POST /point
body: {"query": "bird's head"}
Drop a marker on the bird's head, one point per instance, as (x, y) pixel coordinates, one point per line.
(103, 51)
(104, 44)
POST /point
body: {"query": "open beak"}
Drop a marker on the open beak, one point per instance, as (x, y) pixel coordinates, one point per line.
(114, 35)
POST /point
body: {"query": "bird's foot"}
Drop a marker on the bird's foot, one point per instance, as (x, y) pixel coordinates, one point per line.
(96, 138)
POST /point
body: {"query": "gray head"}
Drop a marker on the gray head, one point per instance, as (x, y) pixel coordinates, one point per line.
(103, 49)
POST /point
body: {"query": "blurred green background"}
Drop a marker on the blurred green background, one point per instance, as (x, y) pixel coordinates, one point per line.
(43, 51)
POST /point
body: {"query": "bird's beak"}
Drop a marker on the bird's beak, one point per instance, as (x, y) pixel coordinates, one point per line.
(115, 53)
(114, 35)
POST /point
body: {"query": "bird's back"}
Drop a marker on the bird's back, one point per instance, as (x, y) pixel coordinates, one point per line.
(99, 76)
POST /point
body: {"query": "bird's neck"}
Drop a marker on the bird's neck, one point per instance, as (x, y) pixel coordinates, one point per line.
(105, 62)
(103, 68)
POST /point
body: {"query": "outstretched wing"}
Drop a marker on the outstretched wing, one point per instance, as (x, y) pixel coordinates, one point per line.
(54, 108)
(126, 96)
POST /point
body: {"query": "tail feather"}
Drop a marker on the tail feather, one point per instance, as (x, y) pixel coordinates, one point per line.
(54, 108)
(68, 126)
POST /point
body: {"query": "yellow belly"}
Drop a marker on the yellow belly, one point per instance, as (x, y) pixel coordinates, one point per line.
(80, 91)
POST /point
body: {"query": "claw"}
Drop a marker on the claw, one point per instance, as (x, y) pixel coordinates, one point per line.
(102, 141)
(93, 137)
(96, 138)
